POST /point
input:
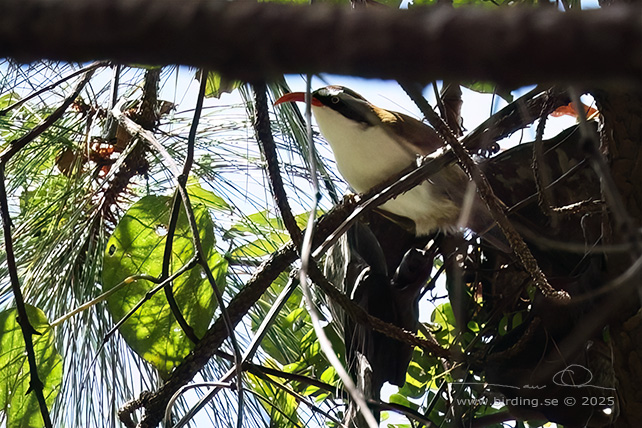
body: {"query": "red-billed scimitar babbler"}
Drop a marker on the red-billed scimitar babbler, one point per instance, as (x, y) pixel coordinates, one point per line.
(371, 145)
(385, 278)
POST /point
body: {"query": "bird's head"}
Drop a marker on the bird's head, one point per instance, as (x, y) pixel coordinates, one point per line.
(342, 100)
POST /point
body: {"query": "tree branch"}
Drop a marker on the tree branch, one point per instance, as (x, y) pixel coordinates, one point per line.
(16, 145)
(155, 403)
(268, 147)
(238, 307)
(35, 383)
(256, 41)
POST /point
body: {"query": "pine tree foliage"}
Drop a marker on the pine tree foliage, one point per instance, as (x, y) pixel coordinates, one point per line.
(144, 231)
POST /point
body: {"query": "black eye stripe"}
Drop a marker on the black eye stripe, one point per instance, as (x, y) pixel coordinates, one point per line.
(336, 102)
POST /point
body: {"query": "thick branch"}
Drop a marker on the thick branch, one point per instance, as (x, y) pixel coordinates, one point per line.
(254, 41)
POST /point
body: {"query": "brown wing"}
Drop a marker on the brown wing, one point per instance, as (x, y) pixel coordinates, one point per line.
(416, 133)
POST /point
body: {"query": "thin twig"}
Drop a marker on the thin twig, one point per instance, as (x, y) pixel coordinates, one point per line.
(511, 118)
(182, 182)
(90, 67)
(254, 368)
(136, 130)
(103, 297)
(404, 410)
(541, 172)
(35, 383)
(266, 141)
(308, 265)
(167, 256)
(161, 284)
(249, 353)
(16, 145)
(173, 220)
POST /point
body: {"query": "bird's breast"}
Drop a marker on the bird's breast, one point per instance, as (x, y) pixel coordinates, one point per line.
(366, 155)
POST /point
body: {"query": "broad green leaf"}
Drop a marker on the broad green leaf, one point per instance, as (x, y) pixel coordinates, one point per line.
(19, 405)
(218, 85)
(281, 406)
(329, 376)
(517, 319)
(261, 247)
(489, 88)
(400, 399)
(473, 326)
(137, 246)
(502, 328)
(417, 378)
(421, 373)
(206, 197)
(292, 317)
(444, 316)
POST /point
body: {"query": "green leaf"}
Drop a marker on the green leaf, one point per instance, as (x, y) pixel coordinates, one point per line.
(137, 246)
(19, 405)
(444, 316)
(218, 85)
(329, 376)
(473, 326)
(517, 319)
(489, 88)
(400, 399)
(502, 327)
(281, 406)
(421, 373)
(261, 247)
(208, 198)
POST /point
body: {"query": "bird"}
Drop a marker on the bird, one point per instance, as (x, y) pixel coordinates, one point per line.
(371, 145)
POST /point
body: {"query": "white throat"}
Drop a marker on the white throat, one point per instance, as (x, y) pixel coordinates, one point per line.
(365, 155)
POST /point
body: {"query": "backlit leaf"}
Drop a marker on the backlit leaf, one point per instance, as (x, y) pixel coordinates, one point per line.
(137, 246)
(20, 406)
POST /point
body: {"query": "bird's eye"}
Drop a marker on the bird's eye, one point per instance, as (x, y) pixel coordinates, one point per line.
(334, 100)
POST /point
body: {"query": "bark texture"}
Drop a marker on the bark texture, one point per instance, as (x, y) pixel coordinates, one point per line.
(250, 41)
